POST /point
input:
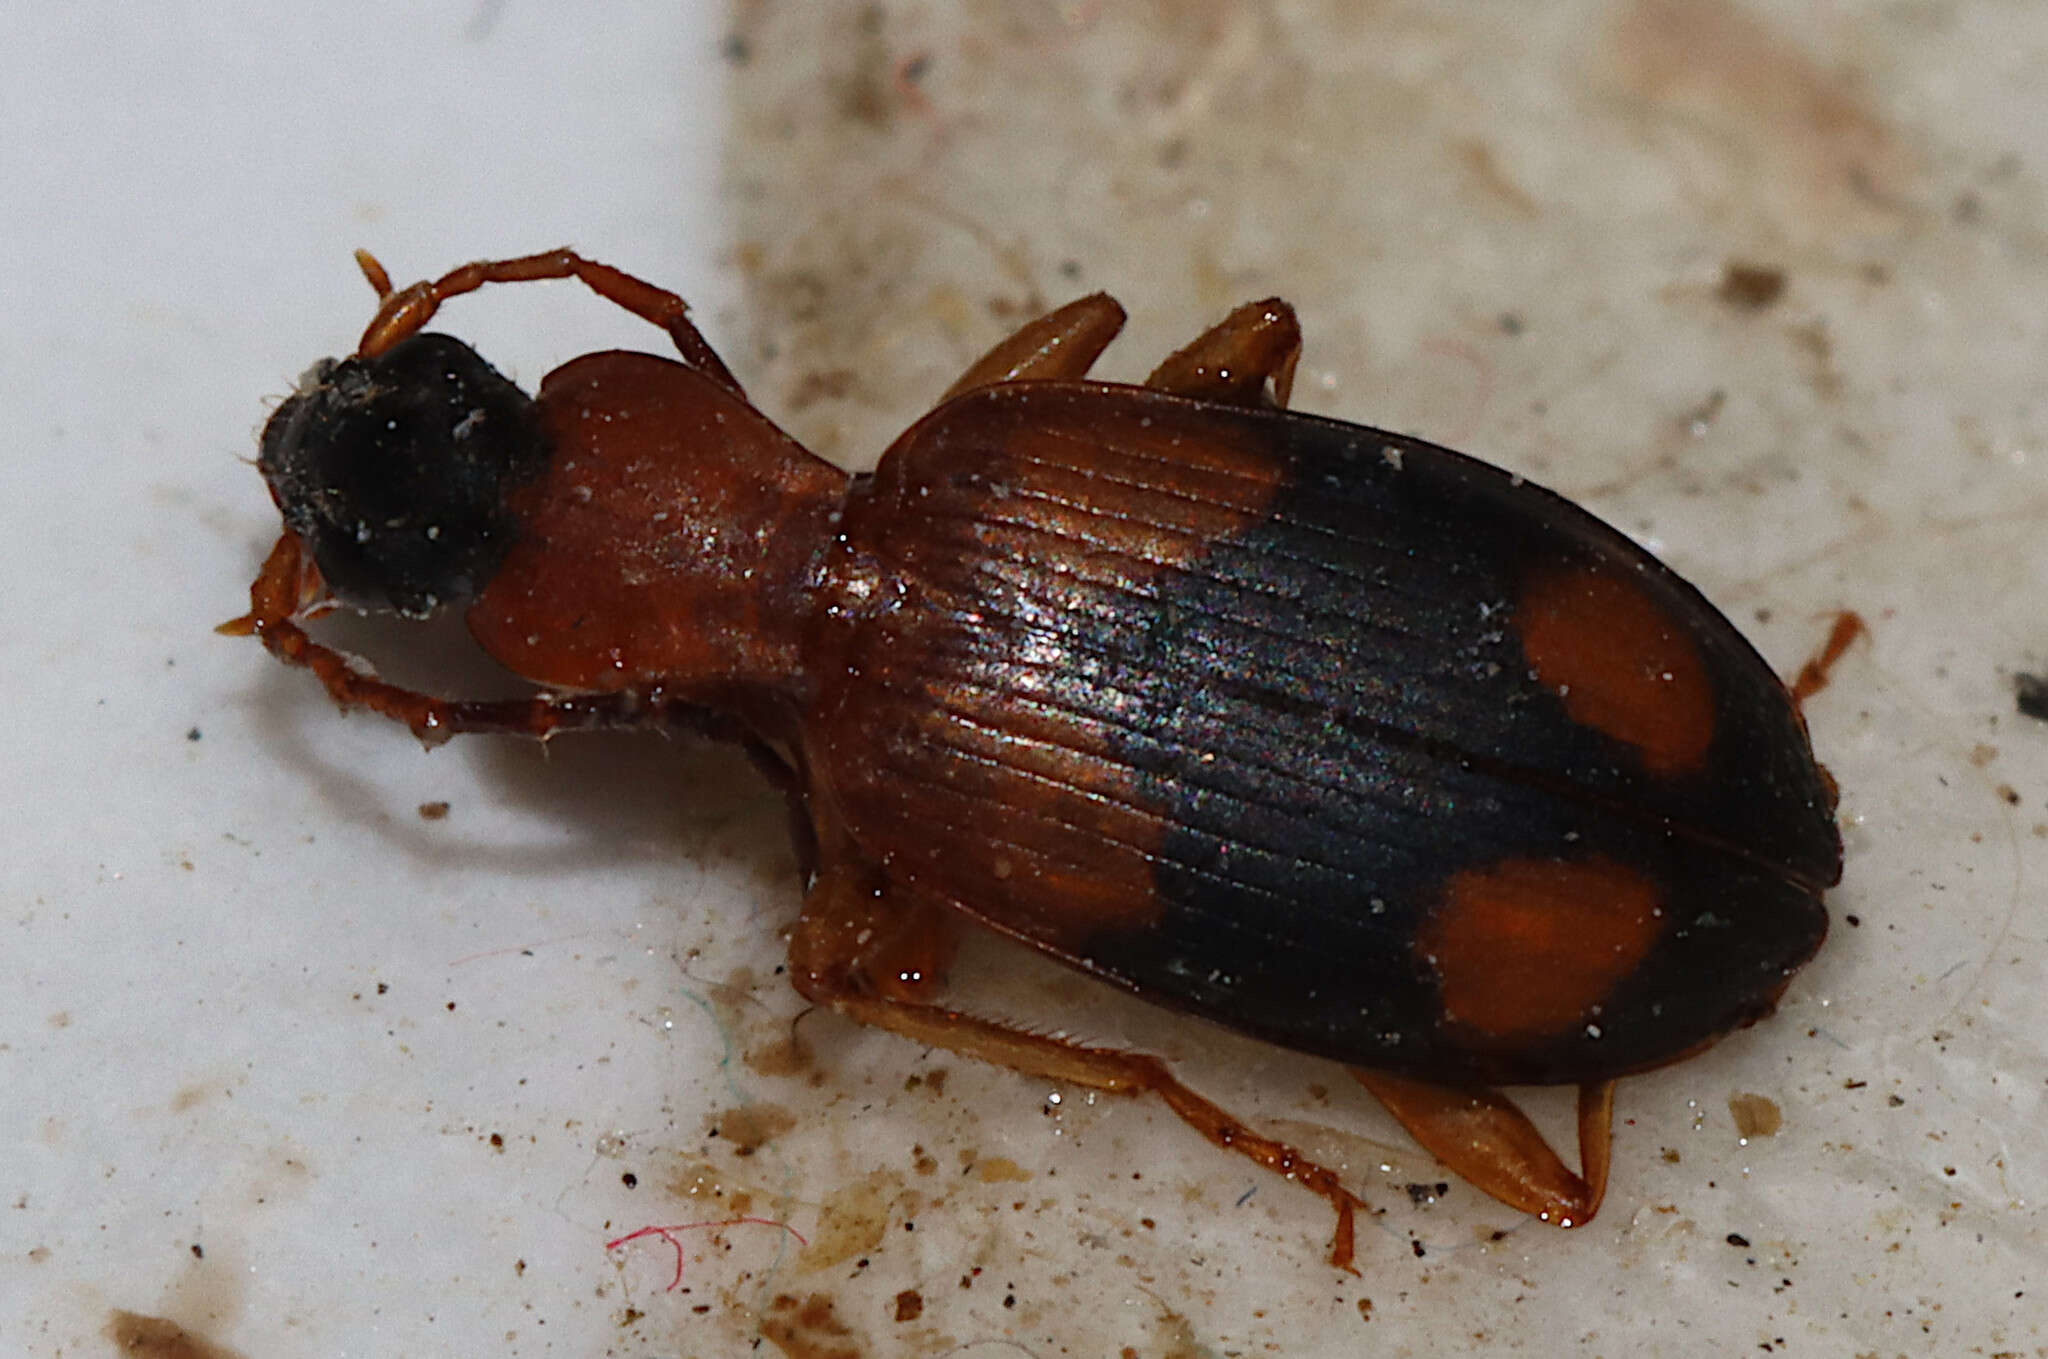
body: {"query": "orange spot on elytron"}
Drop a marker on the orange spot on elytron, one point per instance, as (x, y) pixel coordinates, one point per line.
(1525, 948)
(1619, 664)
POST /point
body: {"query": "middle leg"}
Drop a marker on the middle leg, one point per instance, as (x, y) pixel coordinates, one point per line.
(1233, 360)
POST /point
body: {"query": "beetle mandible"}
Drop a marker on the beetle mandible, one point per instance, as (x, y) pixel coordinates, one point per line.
(1340, 739)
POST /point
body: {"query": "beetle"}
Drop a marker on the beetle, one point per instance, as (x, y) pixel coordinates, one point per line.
(1337, 738)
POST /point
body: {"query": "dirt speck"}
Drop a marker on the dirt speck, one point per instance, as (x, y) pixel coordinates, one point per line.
(862, 85)
(2031, 691)
(1750, 287)
(808, 1328)
(159, 1338)
(785, 1056)
(1000, 1170)
(1483, 166)
(822, 384)
(853, 1220)
(700, 1182)
(1817, 347)
(750, 1127)
(1175, 1337)
(1755, 1115)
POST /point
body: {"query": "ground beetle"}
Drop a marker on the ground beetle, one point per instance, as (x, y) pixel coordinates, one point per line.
(1337, 738)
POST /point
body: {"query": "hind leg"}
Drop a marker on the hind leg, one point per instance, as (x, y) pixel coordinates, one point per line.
(1492, 1145)
(848, 954)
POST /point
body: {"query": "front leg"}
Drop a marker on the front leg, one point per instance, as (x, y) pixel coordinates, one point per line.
(403, 313)
(288, 590)
(854, 950)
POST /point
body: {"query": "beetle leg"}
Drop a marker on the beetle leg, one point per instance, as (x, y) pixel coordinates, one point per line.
(850, 925)
(401, 314)
(288, 589)
(1491, 1144)
(1596, 1142)
(1233, 359)
(1813, 676)
(853, 939)
(784, 778)
(1060, 344)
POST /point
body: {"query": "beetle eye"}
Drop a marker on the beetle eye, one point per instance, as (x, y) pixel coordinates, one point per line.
(393, 472)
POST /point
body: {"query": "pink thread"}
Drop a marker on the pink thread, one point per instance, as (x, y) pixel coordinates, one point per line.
(668, 1234)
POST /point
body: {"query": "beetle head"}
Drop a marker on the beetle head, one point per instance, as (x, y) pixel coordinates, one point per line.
(393, 470)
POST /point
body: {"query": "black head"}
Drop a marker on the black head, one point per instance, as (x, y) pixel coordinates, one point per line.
(392, 471)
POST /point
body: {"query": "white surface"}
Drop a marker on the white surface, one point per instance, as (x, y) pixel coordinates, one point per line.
(193, 1050)
(227, 1022)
